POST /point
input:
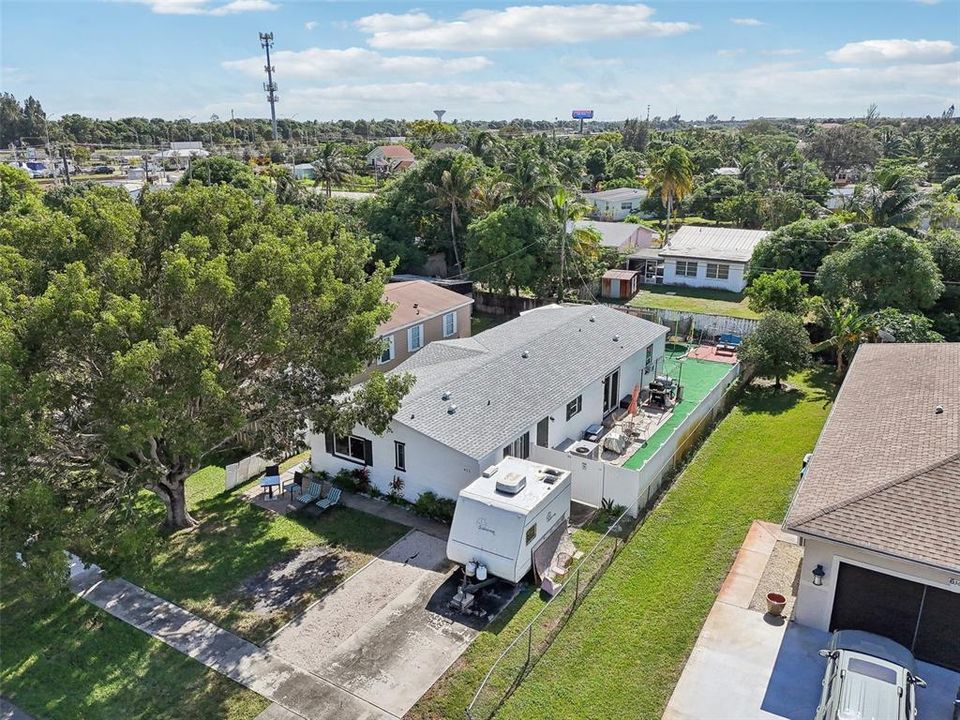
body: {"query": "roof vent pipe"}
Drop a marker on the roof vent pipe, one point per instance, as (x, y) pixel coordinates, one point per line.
(939, 410)
(524, 354)
(447, 395)
(616, 338)
(451, 409)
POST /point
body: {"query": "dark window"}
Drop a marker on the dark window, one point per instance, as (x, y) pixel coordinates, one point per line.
(519, 448)
(611, 391)
(353, 448)
(574, 406)
(400, 455)
(531, 533)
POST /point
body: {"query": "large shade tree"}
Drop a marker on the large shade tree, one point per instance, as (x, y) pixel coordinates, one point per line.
(141, 343)
(777, 346)
(454, 195)
(882, 268)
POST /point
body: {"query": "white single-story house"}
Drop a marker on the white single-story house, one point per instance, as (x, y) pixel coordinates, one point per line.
(878, 506)
(709, 257)
(622, 237)
(840, 197)
(616, 204)
(304, 171)
(541, 379)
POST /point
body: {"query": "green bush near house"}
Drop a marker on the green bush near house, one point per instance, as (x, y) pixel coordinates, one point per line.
(430, 505)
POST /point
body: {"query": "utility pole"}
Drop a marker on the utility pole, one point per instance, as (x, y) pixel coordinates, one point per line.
(567, 227)
(266, 42)
(66, 168)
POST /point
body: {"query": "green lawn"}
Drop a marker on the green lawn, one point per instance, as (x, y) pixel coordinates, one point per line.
(622, 651)
(693, 300)
(73, 660)
(203, 570)
(481, 321)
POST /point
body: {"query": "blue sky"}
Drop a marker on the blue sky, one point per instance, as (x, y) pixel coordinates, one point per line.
(490, 60)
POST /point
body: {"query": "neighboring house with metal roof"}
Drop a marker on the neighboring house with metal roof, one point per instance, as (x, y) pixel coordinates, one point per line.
(422, 313)
(540, 379)
(617, 203)
(878, 505)
(620, 236)
(709, 257)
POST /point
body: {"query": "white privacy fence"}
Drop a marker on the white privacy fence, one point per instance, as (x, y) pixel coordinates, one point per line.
(249, 467)
(693, 323)
(593, 481)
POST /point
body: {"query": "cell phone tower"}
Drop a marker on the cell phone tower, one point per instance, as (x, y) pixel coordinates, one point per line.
(266, 42)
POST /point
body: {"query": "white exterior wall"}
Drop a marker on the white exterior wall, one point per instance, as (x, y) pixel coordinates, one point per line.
(814, 604)
(736, 282)
(430, 464)
(611, 210)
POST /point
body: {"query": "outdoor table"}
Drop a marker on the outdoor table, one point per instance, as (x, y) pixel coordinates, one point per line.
(270, 482)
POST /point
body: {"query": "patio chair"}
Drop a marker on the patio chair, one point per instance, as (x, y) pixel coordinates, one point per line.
(330, 500)
(311, 494)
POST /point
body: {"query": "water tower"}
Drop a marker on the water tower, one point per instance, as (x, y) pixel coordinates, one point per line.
(439, 114)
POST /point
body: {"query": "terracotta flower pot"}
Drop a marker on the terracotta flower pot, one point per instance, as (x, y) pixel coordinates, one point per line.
(775, 603)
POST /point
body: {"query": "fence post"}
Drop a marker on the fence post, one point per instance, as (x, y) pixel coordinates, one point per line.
(529, 642)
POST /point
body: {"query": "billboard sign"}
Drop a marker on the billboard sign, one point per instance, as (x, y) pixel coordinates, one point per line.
(582, 114)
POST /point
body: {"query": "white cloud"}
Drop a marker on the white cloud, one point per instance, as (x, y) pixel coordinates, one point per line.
(310, 24)
(730, 52)
(748, 22)
(893, 51)
(320, 63)
(519, 26)
(206, 7)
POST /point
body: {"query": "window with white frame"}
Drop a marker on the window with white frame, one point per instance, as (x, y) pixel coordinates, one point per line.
(718, 271)
(648, 360)
(449, 324)
(626, 206)
(389, 350)
(685, 268)
(415, 338)
(351, 447)
(574, 406)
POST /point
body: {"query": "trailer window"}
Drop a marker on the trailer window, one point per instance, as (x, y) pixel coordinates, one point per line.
(531, 533)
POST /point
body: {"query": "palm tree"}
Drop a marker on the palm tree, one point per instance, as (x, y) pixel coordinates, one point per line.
(889, 198)
(483, 146)
(331, 167)
(672, 172)
(566, 209)
(488, 196)
(529, 181)
(847, 327)
(454, 195)
(571, 169)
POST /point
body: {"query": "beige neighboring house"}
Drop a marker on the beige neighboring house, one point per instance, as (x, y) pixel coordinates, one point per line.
(423, 312)
(878, 505)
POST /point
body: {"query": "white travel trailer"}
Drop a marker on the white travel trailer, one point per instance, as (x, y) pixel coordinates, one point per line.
(503, 517)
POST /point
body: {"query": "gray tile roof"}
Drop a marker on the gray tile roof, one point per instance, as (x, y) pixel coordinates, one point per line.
(713, 243)
(885, 474)
(498, 392)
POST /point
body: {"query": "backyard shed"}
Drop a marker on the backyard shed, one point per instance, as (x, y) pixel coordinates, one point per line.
(619, 283)
(503, 518)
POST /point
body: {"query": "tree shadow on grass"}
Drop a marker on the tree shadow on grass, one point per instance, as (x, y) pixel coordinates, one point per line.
(69, 659)
(813, 385)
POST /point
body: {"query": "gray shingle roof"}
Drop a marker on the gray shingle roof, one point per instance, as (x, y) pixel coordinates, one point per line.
(885, 474)
(498, 392)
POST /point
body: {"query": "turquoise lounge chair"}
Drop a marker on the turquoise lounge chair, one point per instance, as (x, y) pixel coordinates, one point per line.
(311, 494)
(330, 500)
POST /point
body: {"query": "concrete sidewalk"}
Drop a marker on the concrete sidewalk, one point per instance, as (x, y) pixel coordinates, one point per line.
(397, 514)
(285, 684)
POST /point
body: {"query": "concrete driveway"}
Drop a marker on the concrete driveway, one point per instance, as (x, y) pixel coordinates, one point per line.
(749, 666)
(384, 635)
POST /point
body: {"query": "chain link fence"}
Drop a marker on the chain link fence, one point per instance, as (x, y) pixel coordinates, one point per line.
(517, 660)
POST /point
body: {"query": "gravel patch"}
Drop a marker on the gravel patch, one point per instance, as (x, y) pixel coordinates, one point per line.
(781, 575)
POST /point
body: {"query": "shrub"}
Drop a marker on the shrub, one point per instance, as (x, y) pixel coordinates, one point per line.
(346, 480)
(361, 478)
(430, 505)
(396, 489)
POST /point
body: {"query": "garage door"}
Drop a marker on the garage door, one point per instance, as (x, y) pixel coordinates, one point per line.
(923, 618)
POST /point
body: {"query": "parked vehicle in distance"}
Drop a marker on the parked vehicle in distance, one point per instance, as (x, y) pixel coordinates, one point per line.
(868, 676)
(103, 170)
